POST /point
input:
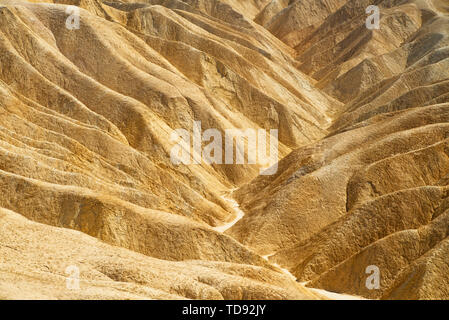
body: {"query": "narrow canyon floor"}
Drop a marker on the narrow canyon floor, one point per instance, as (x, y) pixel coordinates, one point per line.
(92, 92)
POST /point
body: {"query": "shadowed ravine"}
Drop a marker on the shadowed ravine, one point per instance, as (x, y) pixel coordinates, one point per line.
(320, 292)
(90, 114)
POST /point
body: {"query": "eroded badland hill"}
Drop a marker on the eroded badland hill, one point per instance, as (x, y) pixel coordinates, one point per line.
(87, 114)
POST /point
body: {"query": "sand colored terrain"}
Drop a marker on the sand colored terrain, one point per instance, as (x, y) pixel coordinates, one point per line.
(38, 255)
(85, 123)
(375, 190)
(86, 117)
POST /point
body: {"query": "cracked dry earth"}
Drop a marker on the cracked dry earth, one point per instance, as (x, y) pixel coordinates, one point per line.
(85, 171)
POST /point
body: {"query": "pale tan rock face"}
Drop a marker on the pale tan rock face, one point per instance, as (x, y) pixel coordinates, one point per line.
(37, 258)
(374, 191)
(87, 180)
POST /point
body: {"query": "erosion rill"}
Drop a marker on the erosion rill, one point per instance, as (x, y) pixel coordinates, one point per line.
(224, 149)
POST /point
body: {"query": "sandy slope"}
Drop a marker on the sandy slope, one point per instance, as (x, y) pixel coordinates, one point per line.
(85, 123)
(85, 170)
(374, 191)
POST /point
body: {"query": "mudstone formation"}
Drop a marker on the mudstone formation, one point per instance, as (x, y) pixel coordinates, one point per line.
(87, 179)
